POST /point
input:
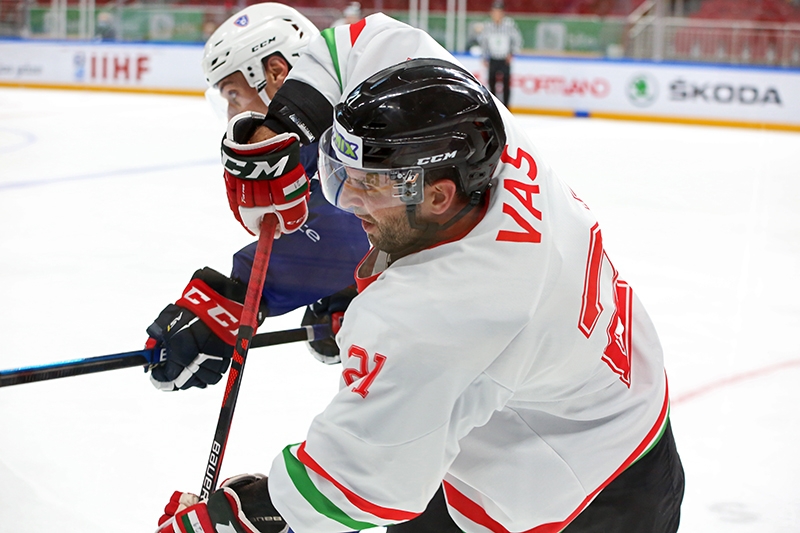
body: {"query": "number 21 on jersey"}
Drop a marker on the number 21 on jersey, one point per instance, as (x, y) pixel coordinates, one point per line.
(364, 373)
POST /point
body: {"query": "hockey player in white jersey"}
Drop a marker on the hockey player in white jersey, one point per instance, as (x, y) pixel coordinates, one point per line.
(500, 374)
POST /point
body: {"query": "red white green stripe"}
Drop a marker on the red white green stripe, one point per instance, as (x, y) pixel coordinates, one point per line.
(297, 468)
(340, 40)
(472, 511)
(192, 522)
(296, 189)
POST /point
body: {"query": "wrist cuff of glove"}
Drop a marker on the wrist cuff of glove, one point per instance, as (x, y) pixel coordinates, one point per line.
(221, 284)
(307, 113)
(249, 496)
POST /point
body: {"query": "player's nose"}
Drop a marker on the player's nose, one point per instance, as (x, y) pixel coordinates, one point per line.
(351, 198)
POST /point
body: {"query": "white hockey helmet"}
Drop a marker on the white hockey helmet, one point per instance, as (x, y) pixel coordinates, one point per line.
(258, 31)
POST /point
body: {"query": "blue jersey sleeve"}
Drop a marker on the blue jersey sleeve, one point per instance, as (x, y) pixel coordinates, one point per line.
(313, 262)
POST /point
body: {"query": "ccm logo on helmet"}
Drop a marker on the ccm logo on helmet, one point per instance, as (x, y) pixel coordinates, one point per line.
(263, 44)
(436, 158)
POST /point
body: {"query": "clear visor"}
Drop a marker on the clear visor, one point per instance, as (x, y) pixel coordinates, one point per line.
(234, 98)
(355, 189)
(218, 104)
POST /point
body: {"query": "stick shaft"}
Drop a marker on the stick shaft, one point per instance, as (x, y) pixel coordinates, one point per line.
(247, 327)
(102, 363)
(90, 365)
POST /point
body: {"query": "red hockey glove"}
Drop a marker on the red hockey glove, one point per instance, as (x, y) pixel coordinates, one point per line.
(241, 505)
(264, 177)
(198, 332)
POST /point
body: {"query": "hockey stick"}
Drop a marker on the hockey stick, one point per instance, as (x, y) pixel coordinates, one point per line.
(91, 365)
(247, 326)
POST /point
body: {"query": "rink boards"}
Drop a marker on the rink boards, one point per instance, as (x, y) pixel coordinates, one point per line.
(763, 97)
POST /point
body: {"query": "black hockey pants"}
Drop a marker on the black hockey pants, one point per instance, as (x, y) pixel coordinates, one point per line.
(645, 498)
(500, 68)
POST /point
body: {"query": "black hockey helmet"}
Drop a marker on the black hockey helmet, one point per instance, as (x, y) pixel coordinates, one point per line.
(426, 113)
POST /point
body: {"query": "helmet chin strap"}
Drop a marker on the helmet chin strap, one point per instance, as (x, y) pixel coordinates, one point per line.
(262, 93)
(261, 89)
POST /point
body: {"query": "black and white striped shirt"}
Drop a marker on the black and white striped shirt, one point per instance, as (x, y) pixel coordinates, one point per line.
(498, 41)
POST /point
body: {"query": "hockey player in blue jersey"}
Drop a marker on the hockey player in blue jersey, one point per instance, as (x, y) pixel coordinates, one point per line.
(245, 62)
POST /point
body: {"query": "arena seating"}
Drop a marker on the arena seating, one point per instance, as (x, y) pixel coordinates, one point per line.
(779, 11)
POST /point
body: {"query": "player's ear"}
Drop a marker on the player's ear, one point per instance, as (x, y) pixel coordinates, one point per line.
(276, 69)
(441, 196)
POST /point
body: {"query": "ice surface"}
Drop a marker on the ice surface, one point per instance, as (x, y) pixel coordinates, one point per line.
(109, 202)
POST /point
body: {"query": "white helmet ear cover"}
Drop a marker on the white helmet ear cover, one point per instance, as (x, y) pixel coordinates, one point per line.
(253, 70)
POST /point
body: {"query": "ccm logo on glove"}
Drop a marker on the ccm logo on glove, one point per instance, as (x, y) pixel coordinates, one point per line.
(265, 177)
(197, 333)
(253, 169)
(201, 300)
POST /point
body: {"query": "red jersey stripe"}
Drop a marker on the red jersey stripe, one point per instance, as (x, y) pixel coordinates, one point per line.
(355, 30)
(366, 506)
(477, 514)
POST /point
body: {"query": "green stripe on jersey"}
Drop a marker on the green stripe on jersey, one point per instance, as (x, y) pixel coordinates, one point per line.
(302, 482)
(329, 34)
(657, 439)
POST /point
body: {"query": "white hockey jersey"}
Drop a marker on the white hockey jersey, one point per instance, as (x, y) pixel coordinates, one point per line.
(514, 365)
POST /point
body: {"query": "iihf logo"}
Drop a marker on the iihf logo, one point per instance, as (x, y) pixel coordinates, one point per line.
(242, 21)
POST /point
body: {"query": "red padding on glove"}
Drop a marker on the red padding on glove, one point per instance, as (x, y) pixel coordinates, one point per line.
(221, 315)
(264, 193)
(171, 508)
(230, 189)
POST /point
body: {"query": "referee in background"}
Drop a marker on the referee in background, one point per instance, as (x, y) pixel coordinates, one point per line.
(500, 40)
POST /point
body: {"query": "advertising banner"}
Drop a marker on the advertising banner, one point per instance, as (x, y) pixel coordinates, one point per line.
(637, 90)
(173, 68)
(712, 94)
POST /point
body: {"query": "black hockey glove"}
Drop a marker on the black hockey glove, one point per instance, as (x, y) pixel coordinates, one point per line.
(241, 505)
(328, 310)
(198, 332)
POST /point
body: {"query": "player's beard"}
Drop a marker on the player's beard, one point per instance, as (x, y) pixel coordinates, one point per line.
(393, 234)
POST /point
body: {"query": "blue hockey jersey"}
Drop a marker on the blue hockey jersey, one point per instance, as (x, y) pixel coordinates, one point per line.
(313, 262)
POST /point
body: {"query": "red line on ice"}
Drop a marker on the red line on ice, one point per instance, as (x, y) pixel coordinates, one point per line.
(732, 380)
